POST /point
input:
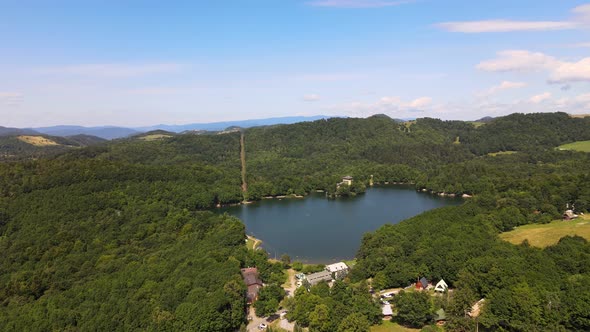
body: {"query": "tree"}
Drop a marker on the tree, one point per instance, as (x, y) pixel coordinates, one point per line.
(268, 300)
(355, 322)
(286, 260)
(413, 308)
(319, 319)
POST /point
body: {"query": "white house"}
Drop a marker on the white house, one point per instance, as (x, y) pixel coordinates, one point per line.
(340, 269)
(441, 286)
(386, 311)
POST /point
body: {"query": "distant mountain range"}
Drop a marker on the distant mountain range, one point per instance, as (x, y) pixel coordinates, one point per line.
(218, 126)
(5, 131)
(106, 132)
(113, 132)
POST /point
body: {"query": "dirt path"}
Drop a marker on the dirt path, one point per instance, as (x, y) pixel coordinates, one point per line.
(243, 159)
(256, 321)
(291, 284)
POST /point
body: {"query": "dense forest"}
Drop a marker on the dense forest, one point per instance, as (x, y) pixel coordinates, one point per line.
(117, 236)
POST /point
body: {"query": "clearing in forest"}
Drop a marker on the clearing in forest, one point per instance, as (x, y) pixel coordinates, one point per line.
(583, 146)
(37, 140)
(500, 153)
(388, 326)
(543, 235)
(154, 137)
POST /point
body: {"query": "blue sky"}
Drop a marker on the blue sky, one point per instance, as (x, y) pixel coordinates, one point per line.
(135, 63)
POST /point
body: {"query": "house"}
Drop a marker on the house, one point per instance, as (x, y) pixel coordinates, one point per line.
(440, 317)
(476, 308)
(339, 270)
(347, 180)
(387, 312)
(569, 215)
(253, 282)
(316, 278)
(422, 283)
(441, 286)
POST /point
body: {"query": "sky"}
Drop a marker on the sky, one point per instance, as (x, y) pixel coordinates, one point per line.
(139, 63)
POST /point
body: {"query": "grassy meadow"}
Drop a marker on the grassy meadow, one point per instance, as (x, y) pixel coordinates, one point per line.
(583, 146)
(543, 235)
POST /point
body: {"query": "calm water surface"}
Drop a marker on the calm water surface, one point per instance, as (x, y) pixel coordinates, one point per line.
(320, 230)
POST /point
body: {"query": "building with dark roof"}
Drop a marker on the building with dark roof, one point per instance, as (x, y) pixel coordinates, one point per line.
(253, 282)
(316, 278)
(422, 283)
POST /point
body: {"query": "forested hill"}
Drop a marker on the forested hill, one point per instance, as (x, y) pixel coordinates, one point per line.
(92, 244)
(26, 144)
(115, 237)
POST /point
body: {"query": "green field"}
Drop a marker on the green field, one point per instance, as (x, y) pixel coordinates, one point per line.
(583, 146)
(388, 326)
(544, 235)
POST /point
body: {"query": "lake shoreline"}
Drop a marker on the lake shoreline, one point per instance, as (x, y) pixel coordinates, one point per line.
(318, 230)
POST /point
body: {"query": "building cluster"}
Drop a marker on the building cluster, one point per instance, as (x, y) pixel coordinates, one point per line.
(421, 284)
(332, 272)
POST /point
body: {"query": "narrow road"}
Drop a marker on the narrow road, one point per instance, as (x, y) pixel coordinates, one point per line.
(243, 159)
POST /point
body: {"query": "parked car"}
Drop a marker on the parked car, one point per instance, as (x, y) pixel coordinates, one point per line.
(262, 326)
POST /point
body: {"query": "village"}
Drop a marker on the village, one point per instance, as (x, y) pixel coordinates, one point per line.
(329, 275)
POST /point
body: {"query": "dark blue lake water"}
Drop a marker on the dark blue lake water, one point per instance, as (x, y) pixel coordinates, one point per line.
(320, 230)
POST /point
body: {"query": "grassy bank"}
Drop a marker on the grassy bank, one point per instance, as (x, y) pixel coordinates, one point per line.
(252, 243)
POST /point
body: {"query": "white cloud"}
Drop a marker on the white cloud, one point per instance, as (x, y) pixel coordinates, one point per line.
(393, 106)
(518, 60)
(311, 97)
(505, 85)
(571, 71)
(10, 98)
(559, 71)
(114, 70)
(357, 3)
(540, 98)
(579, 19)
(420, 102)
(582, 13)
(505, 26)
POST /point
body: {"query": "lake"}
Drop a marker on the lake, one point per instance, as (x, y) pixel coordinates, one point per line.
(320, 230)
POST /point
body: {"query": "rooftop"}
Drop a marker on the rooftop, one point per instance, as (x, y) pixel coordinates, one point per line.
(340, 266)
